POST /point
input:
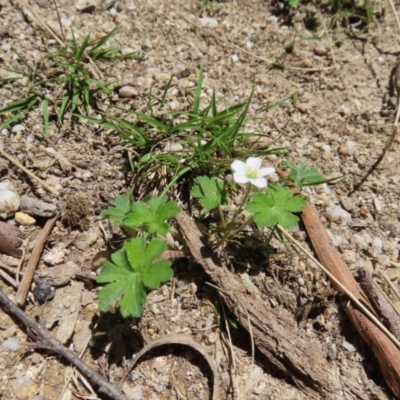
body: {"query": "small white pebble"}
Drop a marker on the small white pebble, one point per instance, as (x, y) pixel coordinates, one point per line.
(235, 58)
(348, 346)
(17, 128)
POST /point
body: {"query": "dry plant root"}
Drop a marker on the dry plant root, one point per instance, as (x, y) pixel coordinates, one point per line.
(179, 339)
(385, 350)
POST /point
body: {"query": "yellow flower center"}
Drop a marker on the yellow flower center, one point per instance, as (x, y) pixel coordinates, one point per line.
(251, 172)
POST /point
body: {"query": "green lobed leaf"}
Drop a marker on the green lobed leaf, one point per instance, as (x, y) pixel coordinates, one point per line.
(157, 273)
(133, 267)
(301, 175)
(211, 192)
(122, 205)
(134, 299)
(276, 207)
(152, 215)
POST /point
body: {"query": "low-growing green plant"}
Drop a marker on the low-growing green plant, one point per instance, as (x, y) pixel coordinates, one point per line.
(208, 136)
(71, 71)
(136, 266)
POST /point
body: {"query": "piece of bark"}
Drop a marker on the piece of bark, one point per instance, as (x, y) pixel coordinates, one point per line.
(385, 350)
(381, 305)
(9, 240)
(275, 333)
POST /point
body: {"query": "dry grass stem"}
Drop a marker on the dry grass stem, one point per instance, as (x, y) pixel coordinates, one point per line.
(29, 173)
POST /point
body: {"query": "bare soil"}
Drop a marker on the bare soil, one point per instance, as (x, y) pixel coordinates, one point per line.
(340, 69)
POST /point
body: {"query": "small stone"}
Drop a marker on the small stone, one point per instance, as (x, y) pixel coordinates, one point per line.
(11, 344)
(24, 388)
(17, 128)
(92, 235)
(43, 291)
(320, 49)
(86, 6)
(349, 347)
(24, 219)
(9, 202)
(36, 207)
(346, 150)
(376, 247)
(212, 337)
(164, 77)
(128, 92)
(195, 54)
(303, 107)
(334, 213)
(235, 57)
(55, 255)
(36, 358)
(9, 332)
(378, 205)
(208, 22)
(173, 148)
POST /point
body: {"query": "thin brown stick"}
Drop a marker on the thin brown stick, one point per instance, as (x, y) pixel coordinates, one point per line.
(8, 279)
(389, 282)
(33, 261)
(31, 174)
(381, 304)
(48, 339)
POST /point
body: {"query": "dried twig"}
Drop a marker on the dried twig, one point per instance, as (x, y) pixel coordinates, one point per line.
(389, 282)
(49, 340)
(29, 173)
(379, 301)
(34, 259)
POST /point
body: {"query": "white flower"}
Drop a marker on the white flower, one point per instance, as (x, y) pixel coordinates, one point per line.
(251, 171)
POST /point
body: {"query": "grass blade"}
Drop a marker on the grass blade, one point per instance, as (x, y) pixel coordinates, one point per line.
(165, 93)
(103, 40)
(24, 104)
(61, 112)
(45, 111)
(82, 48)
(197, 94)
(11, 120)
(23, 60)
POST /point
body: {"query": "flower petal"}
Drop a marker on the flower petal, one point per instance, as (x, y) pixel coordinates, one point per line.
(240, 178)
(254, 162)
(259, 182)
(265, 171)
(239, 166)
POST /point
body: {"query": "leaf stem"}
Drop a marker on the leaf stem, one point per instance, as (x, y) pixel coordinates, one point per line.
(229, 232)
